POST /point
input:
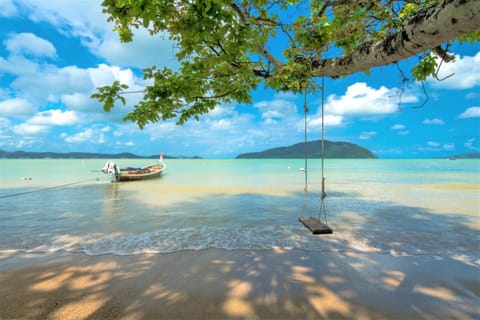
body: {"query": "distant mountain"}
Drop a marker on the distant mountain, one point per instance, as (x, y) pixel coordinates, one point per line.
(467, 156)
(333, 149)
(77, 155)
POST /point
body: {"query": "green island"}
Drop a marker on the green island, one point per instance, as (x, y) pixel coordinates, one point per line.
(333, 149)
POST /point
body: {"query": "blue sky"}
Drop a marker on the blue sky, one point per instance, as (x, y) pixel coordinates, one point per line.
(53, 54)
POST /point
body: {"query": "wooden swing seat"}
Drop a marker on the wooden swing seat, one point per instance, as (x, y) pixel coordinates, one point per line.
(315, 225)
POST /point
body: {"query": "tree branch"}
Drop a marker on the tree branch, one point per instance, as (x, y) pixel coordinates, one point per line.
(426, 30)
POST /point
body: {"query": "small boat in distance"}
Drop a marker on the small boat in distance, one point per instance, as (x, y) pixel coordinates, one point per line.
(131, 173)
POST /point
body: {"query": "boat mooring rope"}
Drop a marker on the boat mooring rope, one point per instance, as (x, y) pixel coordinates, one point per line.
(43, 189)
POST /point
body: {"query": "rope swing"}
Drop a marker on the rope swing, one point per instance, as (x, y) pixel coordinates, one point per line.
(315, 225)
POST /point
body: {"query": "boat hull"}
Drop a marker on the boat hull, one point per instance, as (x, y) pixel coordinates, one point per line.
(149, 172)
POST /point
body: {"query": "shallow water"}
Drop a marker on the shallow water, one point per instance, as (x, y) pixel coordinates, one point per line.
(388, 206)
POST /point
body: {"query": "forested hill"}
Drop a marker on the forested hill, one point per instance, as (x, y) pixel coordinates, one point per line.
(333, 149)
(467, 156)
(77, 155)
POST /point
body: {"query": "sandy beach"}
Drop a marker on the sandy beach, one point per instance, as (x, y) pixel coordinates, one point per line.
(219, 284)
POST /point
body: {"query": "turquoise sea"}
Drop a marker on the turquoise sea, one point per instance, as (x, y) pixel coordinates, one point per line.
(410, 207)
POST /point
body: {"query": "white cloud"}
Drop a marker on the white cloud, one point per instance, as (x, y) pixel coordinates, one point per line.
(276, 109)
(42, 85)
(105, 75)
(7, 8)
(4, 122)
(315, 123)
(222, 124)
(17, 107)
(360, 99)
(284, 95)
(221, 111)
(473, 112)
(88, 109)
(82, 19)
(144, 51)
(398, 126)
(469, 144)
(90, 135)
(465, 70)
(367, 135)
(54, 117)
(5, 132)
(46, 83)
(434, 121)
(449, 146)
(404, 133)
(86, 21)
(18, 66)
(433, 144)
(77, 101)
(29, 44)
(29, 129)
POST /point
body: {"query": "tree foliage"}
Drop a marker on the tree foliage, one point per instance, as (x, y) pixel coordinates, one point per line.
(227, 48)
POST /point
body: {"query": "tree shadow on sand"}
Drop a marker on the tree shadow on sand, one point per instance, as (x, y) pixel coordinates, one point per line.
(389, 262)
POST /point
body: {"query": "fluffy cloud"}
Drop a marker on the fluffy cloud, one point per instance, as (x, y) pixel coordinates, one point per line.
(18, 66)
(434, 121)
(43, 121)
(222, 124)
(465, 73)
(7, 8)
(54, 118)
(360, 99)
(315, 123)
(469, 144)
(473, 112)
(276, 109)
(46, 83)
(17, 107)
(449, 146)
(221, 111)
(77, 101)
(398, 127)
(41, 84)
(367, 135)
(29, 129)
(5, 128)
(90, 135)
(86, 21)
(105, 75)
(436, 146)
(29, 44)
(144, 51)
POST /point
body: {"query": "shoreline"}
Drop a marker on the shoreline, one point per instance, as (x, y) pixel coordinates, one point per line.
(218, 283)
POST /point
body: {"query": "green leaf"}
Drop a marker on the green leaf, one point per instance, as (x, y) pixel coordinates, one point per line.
(227, 48)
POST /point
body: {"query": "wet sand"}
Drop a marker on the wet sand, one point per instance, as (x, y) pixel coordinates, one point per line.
(219, 284)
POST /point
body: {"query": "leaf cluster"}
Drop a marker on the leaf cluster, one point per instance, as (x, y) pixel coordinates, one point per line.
(227, 48)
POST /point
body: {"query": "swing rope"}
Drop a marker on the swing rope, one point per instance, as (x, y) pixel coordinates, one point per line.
(306, 199)
(305, 189)
(305, 168)
(324, 194)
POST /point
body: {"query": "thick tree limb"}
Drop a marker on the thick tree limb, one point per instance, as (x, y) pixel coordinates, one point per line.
(426, 30)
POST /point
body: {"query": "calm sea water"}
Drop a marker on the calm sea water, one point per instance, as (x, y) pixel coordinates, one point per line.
(386, 206)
